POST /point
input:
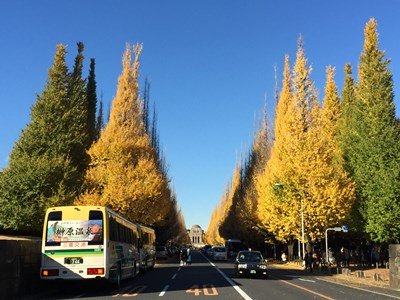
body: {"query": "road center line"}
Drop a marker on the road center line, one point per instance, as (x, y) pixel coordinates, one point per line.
(163, 291)
(230, 281)
(173, 277)
(302, 288)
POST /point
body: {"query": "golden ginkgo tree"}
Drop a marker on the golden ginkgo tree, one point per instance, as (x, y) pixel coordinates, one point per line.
(305, 174)
(123, 173)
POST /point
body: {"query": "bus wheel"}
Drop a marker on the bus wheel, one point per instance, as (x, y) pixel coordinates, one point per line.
(116, 281)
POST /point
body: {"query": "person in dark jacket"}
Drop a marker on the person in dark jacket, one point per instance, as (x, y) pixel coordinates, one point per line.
(308, 257)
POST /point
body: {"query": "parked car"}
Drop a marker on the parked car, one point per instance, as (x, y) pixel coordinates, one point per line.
(161, 252)
(205, 248)
(251, 263)
(209, 252)
(219, 253)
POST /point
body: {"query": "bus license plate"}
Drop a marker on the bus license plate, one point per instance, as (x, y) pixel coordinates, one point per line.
(252, 271)
(73, 260)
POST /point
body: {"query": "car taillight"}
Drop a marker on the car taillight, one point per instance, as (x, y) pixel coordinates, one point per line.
(95, 271)
(50, 272)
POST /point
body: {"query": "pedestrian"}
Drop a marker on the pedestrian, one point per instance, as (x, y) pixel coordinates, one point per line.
(188, 256)
(181, 257)
(308, 257)
(184, 256)
(283, 256)
(374, 257)
(345, 257)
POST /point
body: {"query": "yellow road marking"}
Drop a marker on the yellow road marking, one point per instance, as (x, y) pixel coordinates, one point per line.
(135, 291)
(303, 288)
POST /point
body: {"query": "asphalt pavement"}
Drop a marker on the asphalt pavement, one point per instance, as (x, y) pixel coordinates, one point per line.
(204, 279)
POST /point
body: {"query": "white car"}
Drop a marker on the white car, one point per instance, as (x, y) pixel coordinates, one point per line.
(219, 253)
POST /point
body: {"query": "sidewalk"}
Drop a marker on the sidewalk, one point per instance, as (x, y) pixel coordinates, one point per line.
(372, 279)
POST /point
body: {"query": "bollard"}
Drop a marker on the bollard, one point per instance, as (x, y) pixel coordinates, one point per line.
(346, 271)
(378, 277)
(359, 274)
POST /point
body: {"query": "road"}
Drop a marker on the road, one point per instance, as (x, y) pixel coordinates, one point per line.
(204, 279)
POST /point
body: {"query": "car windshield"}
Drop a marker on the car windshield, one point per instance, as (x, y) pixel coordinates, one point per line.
(250, 256)
(219, 249)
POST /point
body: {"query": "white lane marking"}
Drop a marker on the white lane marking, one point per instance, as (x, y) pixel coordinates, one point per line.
(361, 289)
(233, 284)
(163, 291)
(173, 277)
(179, 269)
(299, 278)
(308, 280)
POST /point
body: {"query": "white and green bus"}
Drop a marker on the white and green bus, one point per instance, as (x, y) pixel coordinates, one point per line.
(91, 242)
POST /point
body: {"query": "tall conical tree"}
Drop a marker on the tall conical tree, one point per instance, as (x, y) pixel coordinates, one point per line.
(328, 185)
(41, 172)
(91, 95)
(347, 110)
(123, 172)
(99, 121)
(250, 231)
(347, 117)
(77, 114)
(278, 172)
(373, 155)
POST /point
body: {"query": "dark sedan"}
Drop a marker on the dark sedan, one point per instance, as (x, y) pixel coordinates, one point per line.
(250, 263)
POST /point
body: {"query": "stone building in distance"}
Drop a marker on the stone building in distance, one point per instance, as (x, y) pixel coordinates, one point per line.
(196, 235)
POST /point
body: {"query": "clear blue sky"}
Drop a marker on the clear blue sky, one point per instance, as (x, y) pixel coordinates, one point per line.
(209, 62)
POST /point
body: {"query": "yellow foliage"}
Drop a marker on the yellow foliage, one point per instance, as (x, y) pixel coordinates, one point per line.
(123, 173)
(305, 170)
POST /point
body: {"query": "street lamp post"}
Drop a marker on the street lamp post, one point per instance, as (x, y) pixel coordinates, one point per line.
(343, 228)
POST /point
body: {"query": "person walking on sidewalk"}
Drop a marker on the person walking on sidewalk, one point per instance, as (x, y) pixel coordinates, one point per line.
(181, 257)
(284, 257)
(308, 257)
(188, 256)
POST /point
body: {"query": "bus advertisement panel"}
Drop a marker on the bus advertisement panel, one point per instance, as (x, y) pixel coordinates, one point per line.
(74, 231)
